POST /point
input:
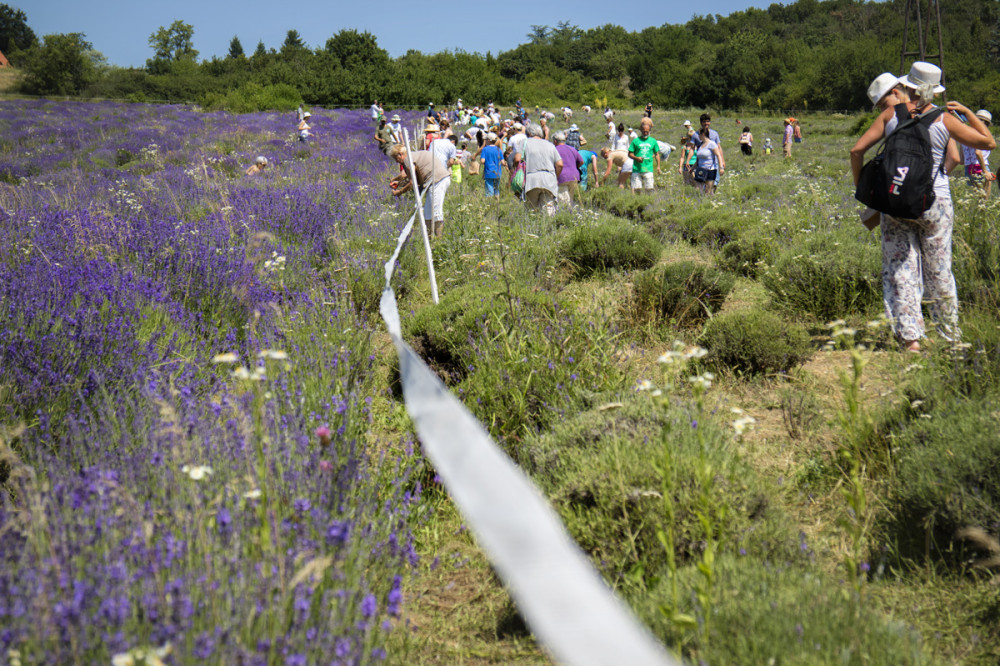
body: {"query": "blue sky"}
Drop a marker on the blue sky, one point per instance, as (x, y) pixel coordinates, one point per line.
(120, 29)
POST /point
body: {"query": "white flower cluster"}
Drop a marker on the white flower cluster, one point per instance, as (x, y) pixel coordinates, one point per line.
(123, 197)
(197, 472)
(276, 263)
(146, 656)
(150, 152)
(682, 352)
(741, 424)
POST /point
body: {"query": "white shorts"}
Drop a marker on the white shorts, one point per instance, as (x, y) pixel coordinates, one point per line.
(434, 200)
(627, 166)
(642, 181)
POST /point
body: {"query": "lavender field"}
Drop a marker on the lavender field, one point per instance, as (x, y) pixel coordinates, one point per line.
(186, 392)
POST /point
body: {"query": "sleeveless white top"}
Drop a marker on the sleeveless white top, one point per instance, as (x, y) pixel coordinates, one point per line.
(939, 141)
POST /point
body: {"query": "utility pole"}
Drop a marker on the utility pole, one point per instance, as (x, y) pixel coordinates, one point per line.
(923, 34)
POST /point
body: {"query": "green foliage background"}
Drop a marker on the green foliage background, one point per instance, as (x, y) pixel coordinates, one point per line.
(810, 54)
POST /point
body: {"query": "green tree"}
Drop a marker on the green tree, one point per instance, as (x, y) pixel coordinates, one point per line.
(293, 42)
(60, 65)
(539, 34)
(261, 50)
(15, 35)
(173, 43)
(235, 49)
(355, 49)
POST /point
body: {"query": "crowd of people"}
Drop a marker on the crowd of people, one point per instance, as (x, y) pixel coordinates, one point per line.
(547, 169)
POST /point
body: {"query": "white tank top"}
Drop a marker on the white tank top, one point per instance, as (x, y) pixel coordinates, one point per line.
(939, 141)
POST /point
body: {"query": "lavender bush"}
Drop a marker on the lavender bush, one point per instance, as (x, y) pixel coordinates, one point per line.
(185, 465)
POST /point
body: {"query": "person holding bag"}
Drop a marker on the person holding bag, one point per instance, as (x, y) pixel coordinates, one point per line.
(916, 253)
(710, 163)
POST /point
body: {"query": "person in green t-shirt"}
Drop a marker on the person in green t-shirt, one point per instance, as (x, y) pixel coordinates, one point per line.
(644, 152)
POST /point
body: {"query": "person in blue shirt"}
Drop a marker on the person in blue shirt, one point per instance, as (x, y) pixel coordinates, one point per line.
(589, 161)
(491, 158)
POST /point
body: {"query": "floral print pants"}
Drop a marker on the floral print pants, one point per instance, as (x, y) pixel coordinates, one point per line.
(916, 268)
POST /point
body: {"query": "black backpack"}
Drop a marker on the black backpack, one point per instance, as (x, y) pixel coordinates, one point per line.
(899, 180)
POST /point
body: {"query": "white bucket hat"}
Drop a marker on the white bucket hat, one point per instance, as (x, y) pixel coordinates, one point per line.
(881, 86)
(923, 75)
(687, 123)
(985, 116)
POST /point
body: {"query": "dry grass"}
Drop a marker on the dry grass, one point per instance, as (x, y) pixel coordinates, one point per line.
(8, 79)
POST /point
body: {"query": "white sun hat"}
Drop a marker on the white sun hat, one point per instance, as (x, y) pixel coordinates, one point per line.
(923, 75)
(881, 86)
(985, 116)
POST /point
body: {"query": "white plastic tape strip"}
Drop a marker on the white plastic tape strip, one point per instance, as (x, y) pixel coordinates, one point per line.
(564, 600)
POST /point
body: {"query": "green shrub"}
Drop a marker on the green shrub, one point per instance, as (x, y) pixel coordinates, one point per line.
(714, 227)
(600, 471)
(251, 97)
(754, 342)
(977, 253)
(621, 202)
(519, 360)
(947, 479)
(747, 255)
(682, 293)
(828, 277)
(775, 612)
(608, 246)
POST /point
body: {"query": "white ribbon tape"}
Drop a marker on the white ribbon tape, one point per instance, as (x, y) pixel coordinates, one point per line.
(563, 598)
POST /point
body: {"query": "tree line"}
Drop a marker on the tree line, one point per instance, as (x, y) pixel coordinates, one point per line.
(811, 54)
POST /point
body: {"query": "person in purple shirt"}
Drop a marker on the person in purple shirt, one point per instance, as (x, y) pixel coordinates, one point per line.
(569, 178)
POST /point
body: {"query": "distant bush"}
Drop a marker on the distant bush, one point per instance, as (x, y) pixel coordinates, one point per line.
(682, 293)
(621, 202)
(827, 279)
(608, 246)
(754, 342)
(947, 479)
(251, 97)
(746, 256)
(714, 227)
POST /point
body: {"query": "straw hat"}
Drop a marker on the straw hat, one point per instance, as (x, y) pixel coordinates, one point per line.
(687, 123)
(395, 117)
(432, 128)
(881, 86)
(261, 160)
(985, 116)
(923, 74)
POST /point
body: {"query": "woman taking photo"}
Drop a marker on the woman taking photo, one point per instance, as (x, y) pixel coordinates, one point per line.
(916, 254)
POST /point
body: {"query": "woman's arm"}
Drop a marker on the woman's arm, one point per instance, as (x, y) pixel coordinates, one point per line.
(974, 135)
(867, 140)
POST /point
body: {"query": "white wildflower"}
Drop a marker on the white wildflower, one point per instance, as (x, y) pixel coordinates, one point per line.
(198, 472)
(228, 357)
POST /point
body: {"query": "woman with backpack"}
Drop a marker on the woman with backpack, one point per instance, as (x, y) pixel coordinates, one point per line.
(916, 252)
